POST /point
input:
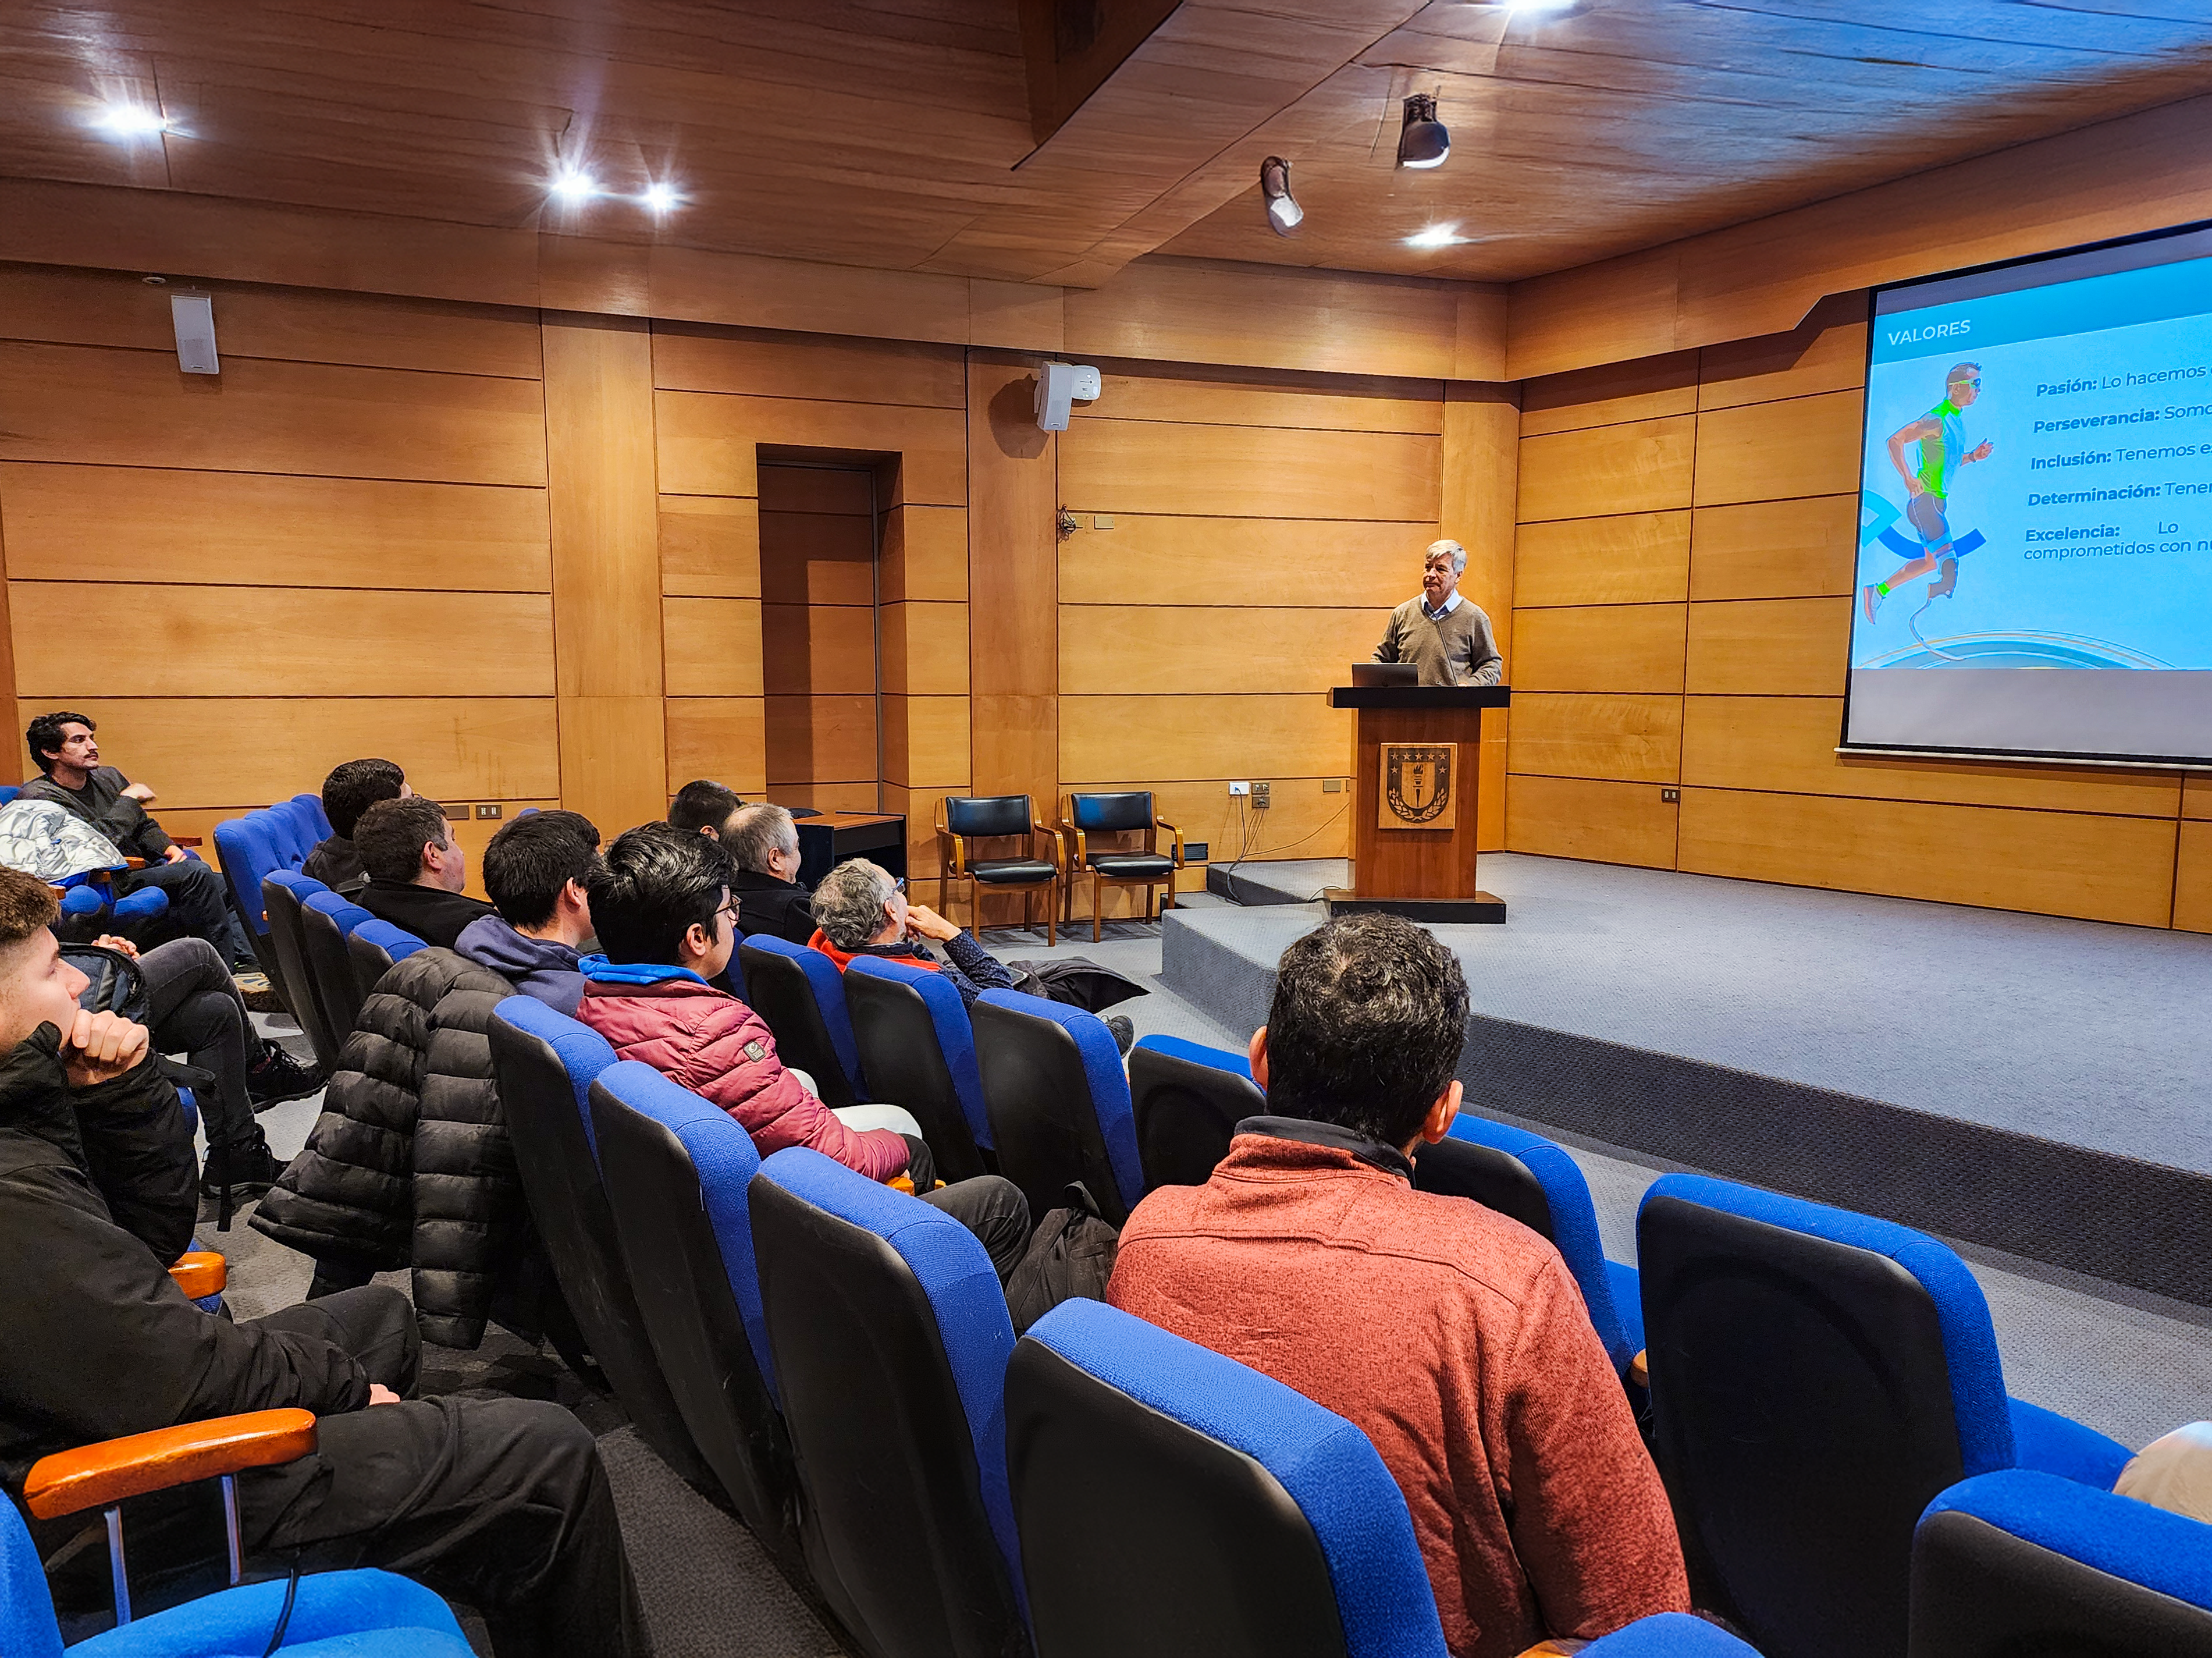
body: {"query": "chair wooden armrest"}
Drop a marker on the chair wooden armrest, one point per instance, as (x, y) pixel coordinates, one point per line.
(959, 865)
(1082, 844)
(1161, 823)
(1058, 854)
(134, 863)
(187, 840)
(1639, 1369)
(1558, 1647)
(201, 1273)
(99, 1476)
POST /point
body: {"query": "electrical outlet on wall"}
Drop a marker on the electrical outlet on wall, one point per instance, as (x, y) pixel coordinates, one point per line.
(490, 811)
(1240, 787)
(1670, 797)
(1260, 797)
(1332, 785)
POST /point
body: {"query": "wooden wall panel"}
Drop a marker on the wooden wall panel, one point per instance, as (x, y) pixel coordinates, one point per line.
(710, 546)
(67, 523)
(134, 409)
(1480, 502)
(2099, 869)
(1195, 737)
(924, 555)
(925, 741)
(1617, 648)
(712, 647)
(820, 739)
(924, 648)
(1344, 403)
(1643, 466)
(1248, 472)
(1147, 559)
(1632, 738)
(1774, 549)
(823, 650)
(1013, 622)
(1648, 388)
(1826, 353)
(829, 796)
(720, 737)
(1772, 451)
(2192, 877)
(1581, 818)
(1787, 745)
(188, 641)
(1641, 557)
(1199, 649)
(453, 748)
(1771, 647)
(820, 367)
(709, 442)
(2196, 795)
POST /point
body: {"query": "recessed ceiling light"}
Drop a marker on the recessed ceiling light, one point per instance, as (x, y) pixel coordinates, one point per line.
(575, 186)
(129, 121)
(660, 198)
(1423, 141)
(1437, 235)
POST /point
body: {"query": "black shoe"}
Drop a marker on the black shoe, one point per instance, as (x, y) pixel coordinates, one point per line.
(248, 1170)
(278, 1077)
(1125, 1034)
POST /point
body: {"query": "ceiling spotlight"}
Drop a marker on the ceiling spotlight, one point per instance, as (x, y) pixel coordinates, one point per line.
(1423, 141)
(129, 121)
(660, 198)
(1284, 213)
(1436, 235)
(575, 186)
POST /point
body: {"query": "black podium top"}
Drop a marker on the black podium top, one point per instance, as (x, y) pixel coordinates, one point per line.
(1421, 696)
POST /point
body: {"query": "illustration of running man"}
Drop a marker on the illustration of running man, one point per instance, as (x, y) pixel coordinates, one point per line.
(1941, 435)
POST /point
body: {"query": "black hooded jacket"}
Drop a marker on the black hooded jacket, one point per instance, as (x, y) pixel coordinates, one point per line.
(97, 1192)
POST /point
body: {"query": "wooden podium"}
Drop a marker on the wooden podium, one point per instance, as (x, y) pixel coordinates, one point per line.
(1418, 754)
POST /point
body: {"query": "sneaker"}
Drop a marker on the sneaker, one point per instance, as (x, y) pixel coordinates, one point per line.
(1870, 596)
(277, 1077)
(1125, 1034)
(251, 1171)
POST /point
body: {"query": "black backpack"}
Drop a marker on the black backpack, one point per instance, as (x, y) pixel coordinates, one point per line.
(115, 985)
(1071, 1255)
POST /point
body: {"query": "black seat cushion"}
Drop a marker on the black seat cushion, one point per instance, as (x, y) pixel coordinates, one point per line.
(987, 817)
(1133, 866)
(1017, 872)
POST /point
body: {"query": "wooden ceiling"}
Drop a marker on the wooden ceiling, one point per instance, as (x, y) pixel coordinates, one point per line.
(917, 134)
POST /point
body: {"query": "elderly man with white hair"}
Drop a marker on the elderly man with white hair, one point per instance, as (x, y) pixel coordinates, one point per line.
(1443, 633)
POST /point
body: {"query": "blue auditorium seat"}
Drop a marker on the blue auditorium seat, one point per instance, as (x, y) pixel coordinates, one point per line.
(800, 994)
(318, 819)
(297, 832)
(1817, 1377)
(1059, 1102)
(917, 1049)
(251, 849)
(344, 1614)
(1525, 1176)
(2022, 1562)
(1186, 1100)
(326, 920)
(284, 891)
(546, 1063)
(890, 1338)
(372, 946)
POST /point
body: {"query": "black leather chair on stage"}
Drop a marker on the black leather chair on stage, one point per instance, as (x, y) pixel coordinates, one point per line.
(890, 1336)
(284, 891)
(1059, 1102)
(918, 1050)
(1188, 1100)
(546, 1063)
(964, 819)
(1122, 816)
(800, 995)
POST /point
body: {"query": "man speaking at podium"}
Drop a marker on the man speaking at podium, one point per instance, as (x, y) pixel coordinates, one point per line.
(1443, 633)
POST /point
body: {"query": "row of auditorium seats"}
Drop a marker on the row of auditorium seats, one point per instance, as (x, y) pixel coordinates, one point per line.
(332, 953)
(252, 848)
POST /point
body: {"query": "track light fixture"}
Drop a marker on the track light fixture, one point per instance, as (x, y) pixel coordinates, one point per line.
(1423, 141)
(1284, 213)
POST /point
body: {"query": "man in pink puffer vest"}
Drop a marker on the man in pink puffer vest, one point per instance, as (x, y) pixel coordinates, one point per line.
(665, 922)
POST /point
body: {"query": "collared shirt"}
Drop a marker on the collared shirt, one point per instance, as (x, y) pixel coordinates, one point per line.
(1436, 614)
(1373, 1153)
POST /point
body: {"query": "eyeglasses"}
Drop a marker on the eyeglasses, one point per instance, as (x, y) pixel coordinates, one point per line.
(730, 909)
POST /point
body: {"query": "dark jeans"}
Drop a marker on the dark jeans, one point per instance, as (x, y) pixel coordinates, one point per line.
(995, 1211)
(198, 906)
(194, 1009)
(500, 1503)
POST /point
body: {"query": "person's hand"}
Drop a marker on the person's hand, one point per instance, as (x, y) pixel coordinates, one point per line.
(109, 940)
(1981, 450)
(379, 1395)
(1913, 486)
(99, 1047)
(174, 855)
(141, 793)
(922, 922)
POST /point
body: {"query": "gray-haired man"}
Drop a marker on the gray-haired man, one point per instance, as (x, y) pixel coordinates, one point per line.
(1443, 632)
(763, 846)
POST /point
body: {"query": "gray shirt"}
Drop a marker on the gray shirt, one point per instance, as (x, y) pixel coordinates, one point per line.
(1456, 648)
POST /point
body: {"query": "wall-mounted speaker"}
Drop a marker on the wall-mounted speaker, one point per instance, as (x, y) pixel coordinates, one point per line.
(194, 317)
(1059, 385)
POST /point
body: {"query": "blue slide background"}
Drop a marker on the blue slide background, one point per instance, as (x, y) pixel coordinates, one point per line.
(2141, 597)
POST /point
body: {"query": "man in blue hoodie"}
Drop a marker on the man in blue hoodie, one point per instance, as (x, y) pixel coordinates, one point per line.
(536, 870)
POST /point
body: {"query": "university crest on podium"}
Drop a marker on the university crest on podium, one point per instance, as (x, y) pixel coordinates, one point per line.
(1417, 789)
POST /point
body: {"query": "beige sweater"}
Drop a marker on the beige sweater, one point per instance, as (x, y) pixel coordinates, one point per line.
(1458, 650)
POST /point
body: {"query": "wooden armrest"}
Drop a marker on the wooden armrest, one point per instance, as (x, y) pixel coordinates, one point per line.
(1161, 823)
(959, 851)
(902, 1182)
(1639, 1369)
(1558, 1647)
(134, 863)
(1082, 843)
(201, 1273)
(99, 1476)
(187, 840)
(1058, 846)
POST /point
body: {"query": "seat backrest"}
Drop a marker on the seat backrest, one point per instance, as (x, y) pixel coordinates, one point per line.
(678, 1171)
(918, 1050)
(988, 817)
(2019, 1563)
(1817, 1377)
(27, 1627)
(1171, 1500)
(1059, 1102)
(282, 894)
(1107, 814)
(318, 819)
(296, 830)
(372, 946)
(1186, 1100)
(1526, 1177)
(8, 792)
(890, 1336)
(801, 995)
(251, 849)
(326, 920)
(546, 1063)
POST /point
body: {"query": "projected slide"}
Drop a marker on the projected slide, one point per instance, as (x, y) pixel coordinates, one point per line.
(2035, 525)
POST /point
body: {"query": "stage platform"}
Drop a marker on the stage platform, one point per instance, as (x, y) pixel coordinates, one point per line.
(2039, 1086)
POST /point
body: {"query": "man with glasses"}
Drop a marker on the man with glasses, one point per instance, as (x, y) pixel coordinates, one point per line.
(1940, 435)
(1442, 632)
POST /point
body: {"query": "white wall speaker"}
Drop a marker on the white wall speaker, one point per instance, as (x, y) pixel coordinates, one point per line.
(1059, 385)
(194, 317)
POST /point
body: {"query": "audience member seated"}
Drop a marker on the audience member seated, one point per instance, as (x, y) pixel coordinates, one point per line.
(351, 789)
(860, 910)
(1453, 1338)
(2173, 1472)
(702, 807)
(762, 842)
(67, 754)
(661, 903)
(500, 1503)
(416, 870)
(538, 871)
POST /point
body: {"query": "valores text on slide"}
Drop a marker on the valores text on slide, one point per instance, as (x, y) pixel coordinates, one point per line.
(2035, 523)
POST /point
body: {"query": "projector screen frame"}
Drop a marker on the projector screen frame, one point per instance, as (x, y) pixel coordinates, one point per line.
(2076, 759)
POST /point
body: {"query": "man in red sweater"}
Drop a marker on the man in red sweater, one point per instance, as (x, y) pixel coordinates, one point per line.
(1453, 1337)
